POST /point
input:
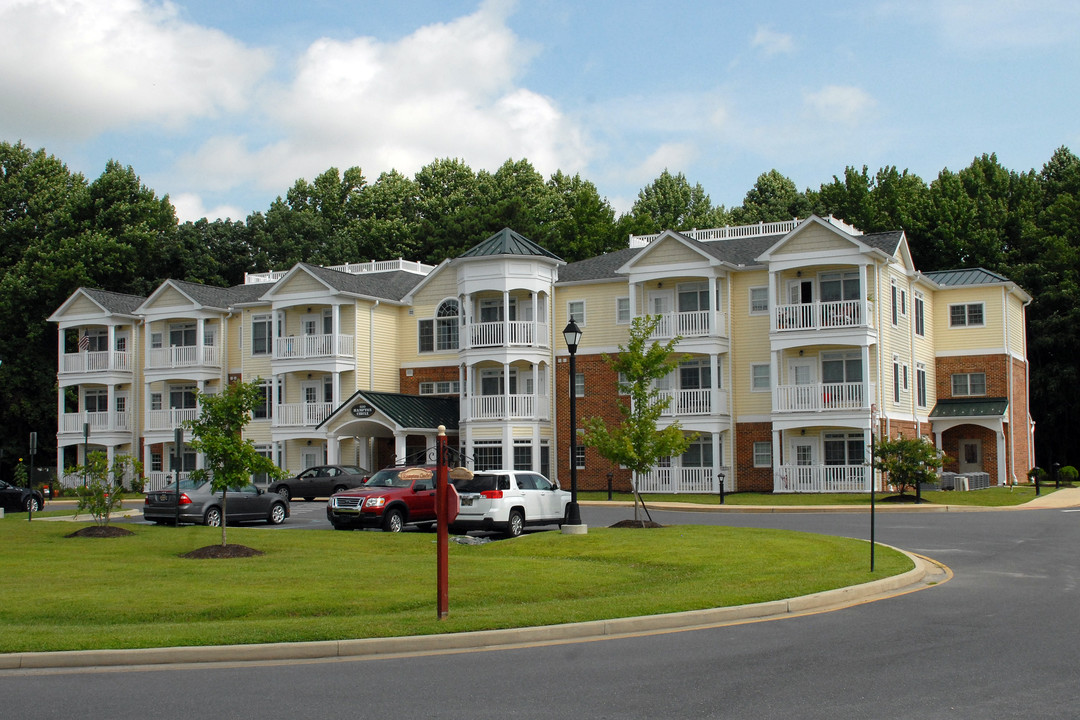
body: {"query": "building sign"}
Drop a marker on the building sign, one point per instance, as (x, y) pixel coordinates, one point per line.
(362, 410)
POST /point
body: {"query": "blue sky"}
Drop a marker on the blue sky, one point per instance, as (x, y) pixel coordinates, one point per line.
(223, 104)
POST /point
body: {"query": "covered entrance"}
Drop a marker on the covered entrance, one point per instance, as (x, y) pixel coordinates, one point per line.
(972, 433)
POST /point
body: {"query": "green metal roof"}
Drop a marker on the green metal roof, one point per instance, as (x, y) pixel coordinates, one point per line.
(412, 411)
(508, 242)
(968, 407)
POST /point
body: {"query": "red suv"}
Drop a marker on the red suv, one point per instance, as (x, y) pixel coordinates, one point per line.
(391, 499)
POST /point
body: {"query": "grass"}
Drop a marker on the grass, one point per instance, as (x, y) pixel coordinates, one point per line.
(83, 593)
(990, 497)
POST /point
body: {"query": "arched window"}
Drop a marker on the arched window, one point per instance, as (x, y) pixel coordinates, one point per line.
(446, 325)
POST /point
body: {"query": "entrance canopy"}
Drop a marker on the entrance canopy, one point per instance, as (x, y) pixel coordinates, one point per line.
(382, 414)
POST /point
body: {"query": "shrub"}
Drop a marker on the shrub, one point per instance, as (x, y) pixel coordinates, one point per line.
(104, 490)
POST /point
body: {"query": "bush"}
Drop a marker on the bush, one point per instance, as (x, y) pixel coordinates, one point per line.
(1067, 474)
(104, 491)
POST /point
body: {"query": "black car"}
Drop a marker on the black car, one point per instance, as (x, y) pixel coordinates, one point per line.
(19, 498)
(320, 481)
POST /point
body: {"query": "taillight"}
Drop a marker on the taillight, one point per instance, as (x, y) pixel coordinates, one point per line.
(146, 501)
(184, 499)
(492, 494)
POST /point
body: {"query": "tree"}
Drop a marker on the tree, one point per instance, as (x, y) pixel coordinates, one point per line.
(636, 443)
(217, 434)
(670, 202)
(104, 488)
(578, 223)
(773, 198)
(908, 461)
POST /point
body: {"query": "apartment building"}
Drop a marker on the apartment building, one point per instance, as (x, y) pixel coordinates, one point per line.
(795, 340)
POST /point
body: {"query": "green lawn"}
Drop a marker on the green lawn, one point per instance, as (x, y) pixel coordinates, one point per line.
(990, 497)
(64, 593)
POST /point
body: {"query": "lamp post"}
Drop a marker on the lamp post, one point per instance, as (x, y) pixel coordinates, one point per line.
(721, 476)
(873, 457)
(572, 336)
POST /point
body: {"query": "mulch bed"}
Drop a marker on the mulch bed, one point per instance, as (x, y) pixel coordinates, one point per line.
(636, 524)
(97, 531)
(222, 551)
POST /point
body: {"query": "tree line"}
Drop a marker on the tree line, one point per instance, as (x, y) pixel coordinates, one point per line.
(59, 231)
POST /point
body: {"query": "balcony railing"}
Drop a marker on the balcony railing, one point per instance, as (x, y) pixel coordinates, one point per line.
(822, 479)
(183, 356)
(314, 346)
(823, 315)
(301, 414)
(102, 361)
(688, 402)
(157, 480)
(170, 419)
(99, 421)
(508, 407)
(514, 333)
(696, 323)
(818, 397)
(684, 480)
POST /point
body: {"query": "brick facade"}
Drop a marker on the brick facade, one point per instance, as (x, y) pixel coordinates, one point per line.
(410, 385)
(747, 477)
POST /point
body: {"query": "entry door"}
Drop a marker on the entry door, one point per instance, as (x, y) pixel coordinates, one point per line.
(802, 373)
(309, 390)
(310, 457)
(971, 458)
(661, 302)
(804, 450)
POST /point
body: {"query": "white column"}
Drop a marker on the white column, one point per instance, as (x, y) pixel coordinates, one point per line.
(506, 318)
(632, 287)
(865, 357)
(60, 335)
(506, 390)
(333, 450)
(717, 460)
(714, 384)
(776, 437)
(110, 343)
(399, 446)
(712, 308)
(1002, 467)
(200, 328)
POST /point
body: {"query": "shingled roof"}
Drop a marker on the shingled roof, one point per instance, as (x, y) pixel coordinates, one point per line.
(115, 302)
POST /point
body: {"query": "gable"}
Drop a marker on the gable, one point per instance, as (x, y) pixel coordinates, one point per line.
(813, 239)
(667, 251)
(300, 282)
(169, 297)
(83, 305)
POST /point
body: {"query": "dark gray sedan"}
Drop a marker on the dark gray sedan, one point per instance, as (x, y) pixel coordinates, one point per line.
(320, 481)
(17, 498)
(200, 505)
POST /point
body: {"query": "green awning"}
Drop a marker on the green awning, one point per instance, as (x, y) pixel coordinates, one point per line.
(970, 408)
(410, 412)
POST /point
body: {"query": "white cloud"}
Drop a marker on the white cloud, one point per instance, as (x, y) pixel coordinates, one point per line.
(77, 68)
(446, 90)
(189, 206)
(674, 157)
(771, 42)
(995, 24)
(839, 103)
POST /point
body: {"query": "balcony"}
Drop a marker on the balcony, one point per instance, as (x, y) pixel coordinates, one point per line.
(683, 480)
(98, 421)
(823, 315)
(822, 479)
(183, 356)
(170, 419)
(314, 346)
(157, 480)
(692, 324)
(822, 397)
(508, 407)
(95, 362)
(301, 414)
(514, 333)
(692, 402)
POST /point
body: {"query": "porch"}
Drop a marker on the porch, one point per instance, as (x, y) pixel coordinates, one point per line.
(677, 479)
(822, 479)
(509, 333)
(95, 362)
(183, 356)
(823, 315)
(818, 397)
(314, 346)
(690, 324)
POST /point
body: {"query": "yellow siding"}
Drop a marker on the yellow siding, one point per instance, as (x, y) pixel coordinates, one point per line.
(487, 432)
(959, 339)
(669, 251)
(425, 303)
(749, 343)
(301, 282)
(813, 238)
(599, 329)
(1015, 310)
(387, 357)
(169, 298)
(83, 306)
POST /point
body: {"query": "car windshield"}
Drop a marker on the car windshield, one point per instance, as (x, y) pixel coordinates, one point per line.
(388, 478)
(475, 484)
(353, 470)
(185, 484)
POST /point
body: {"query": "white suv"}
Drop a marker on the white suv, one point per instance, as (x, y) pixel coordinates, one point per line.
(508, 500)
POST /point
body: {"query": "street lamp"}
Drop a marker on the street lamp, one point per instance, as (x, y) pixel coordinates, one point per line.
(572, 336)
(720, 476)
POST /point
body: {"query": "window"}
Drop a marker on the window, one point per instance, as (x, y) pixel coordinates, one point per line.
(487, 454)
(759, 300)
(920, 311)
(839, 286)
(155, 401)
(441, 333)
(969, 384)
(966, 315)
(575, 310)
(545, 458)
(442, 387)
(760, 377)
(624, 384)
(699, 452)
(895, 304)
(841, 367)
(920, 383)
(266, 451)
(155, 462)
(182, 335)
(622, 311)
(844, 448)
(426, 332)
(96, 401)
(522, 455)
(155, 341)
(695, 375)
(261, 335)
(763, 454)
(693, 296)
(579, 384)
(896, 378)
(264, 406)
(579, 451)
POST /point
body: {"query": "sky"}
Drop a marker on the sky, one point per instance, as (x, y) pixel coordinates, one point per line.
(224, 104)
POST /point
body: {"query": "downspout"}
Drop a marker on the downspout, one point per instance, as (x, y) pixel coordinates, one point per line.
(371, 345)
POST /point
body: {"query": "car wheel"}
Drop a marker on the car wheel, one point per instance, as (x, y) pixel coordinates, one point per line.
(31, 504)
(212, 518)
(515, 524)
(277, 514)
(339, 488)
(393, 521)
(283, 491)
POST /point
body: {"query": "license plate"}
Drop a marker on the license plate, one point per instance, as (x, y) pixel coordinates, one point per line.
(162, 497)
(465, 502)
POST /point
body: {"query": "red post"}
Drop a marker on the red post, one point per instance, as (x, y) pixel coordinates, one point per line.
(442, 534)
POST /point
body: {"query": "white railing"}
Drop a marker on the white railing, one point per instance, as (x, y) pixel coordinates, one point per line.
(313, 346)
(522, 333)
(744, 231)
(99, 421)
(817, 397)
(180, 356)
(158, 480)
(687, 402)
(822, 479)
(696, 323)
(301, 414)
(510, 407)
(170, 419)
(683, 480)
(352, 268)
(821, 315)
(94, 361)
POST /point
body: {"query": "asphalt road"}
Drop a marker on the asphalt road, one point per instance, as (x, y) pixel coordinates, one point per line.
(1000, 640)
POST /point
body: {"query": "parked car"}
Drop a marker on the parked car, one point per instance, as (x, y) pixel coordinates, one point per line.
(508, 500)
(391, 499)
(13, 497)
(320, 481)
(200, 505)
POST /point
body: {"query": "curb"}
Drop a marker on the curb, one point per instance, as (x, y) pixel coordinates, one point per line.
(481, 639)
